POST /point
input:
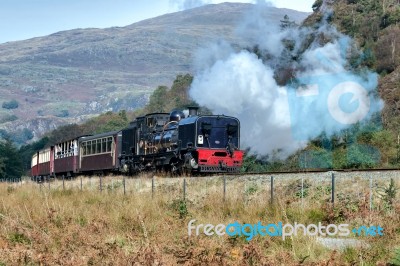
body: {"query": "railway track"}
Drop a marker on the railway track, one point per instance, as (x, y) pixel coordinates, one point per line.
(314, 171)
(151, 173)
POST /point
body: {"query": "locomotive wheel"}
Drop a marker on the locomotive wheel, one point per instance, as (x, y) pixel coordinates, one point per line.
(175, 171)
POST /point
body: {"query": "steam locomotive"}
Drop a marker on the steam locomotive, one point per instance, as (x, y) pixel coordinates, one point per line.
(158, 141)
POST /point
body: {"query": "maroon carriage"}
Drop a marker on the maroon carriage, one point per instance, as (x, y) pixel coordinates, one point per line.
(66, 157)
(99, 153)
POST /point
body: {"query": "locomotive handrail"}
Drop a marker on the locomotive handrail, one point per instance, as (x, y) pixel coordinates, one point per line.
(170, 122)
(163, 130)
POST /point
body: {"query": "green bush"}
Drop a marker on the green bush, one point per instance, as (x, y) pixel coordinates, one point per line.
(180, 206)
(396, 259)
(13, 104)
(19, 238)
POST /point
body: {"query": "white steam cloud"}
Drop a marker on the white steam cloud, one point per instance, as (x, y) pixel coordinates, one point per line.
(302, 87)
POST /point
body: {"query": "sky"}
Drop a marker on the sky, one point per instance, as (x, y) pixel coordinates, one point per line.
(24, 19)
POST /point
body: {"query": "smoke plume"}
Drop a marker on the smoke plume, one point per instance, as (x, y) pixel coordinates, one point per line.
(298, 85)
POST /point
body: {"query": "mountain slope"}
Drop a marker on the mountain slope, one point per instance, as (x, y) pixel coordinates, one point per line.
(375, 25)
(67, 76)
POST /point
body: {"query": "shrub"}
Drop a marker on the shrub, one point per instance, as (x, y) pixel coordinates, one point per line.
(396, 258)
(19, 238)
(13, 104)
(8, 118)
(180, 206)
(63, 113)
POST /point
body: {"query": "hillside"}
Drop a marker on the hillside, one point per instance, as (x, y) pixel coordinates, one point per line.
(375, 25)
(69, 76)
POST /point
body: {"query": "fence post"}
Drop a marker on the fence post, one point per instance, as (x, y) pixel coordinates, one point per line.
(333, 190)
(81, 183)
(152, 186)
(302, 192)
(63, 182)
(184, 189)
(272, 189)
(224, 187)
(370, 193)
(124, 184)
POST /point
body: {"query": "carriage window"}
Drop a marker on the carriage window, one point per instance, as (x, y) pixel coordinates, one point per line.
(98, 150)
(84, 148)
(93, 146)
(89, 147)
(104, 145)
(109, 142)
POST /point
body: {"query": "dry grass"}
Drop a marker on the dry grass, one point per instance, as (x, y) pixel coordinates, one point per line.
(73, 227)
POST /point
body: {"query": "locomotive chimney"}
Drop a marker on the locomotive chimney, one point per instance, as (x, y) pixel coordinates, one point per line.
(193, 110)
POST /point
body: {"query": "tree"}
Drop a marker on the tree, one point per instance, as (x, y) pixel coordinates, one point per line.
(66, 132)
(286, 23)
(26, 151)
(317, 4)
(10, 160)
(2, 166)
(164, 100)
(179, 94)
(158, 100)
(387, 50)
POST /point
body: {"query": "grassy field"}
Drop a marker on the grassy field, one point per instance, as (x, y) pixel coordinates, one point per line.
(64, 225)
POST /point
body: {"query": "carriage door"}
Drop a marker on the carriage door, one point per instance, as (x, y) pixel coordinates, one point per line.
(52, 160)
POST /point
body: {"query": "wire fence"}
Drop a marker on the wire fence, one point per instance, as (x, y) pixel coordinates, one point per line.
(370, 188)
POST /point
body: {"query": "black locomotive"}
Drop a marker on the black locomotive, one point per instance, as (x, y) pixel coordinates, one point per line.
(174, 143)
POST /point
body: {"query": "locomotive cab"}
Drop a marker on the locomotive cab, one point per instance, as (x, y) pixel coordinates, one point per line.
(211, 143)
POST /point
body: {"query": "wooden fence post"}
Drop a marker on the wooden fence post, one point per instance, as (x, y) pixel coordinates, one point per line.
(370, 193)
(302, 192)
(333, 190)
(224, 187)
(152, 187)
(124, 184)
(272, 189)
(184, 189)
